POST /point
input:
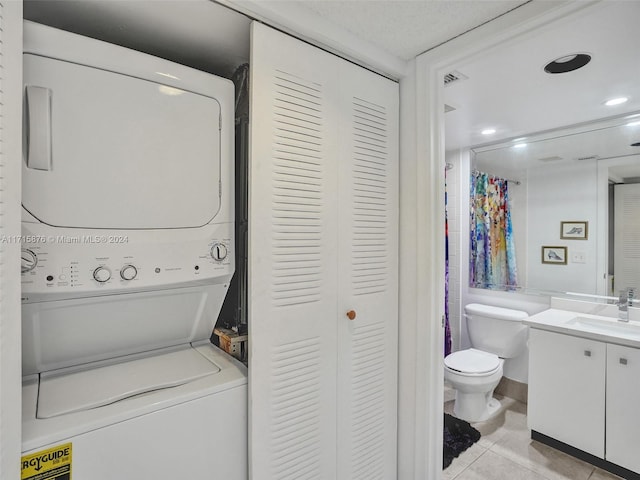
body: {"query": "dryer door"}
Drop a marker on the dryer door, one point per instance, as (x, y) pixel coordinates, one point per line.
(106, 150)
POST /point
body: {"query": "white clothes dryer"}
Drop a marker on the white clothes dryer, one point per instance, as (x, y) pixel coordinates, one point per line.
(127, 257)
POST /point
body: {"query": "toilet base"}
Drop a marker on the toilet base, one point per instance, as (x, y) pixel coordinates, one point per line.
(475, 407)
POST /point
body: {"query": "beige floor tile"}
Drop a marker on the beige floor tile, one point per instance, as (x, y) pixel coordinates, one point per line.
(506, 451)
(602, 475)
(512, 417)
(449, 393)
(465, 459)
(448, 407)
(492, 466)
(549, 462)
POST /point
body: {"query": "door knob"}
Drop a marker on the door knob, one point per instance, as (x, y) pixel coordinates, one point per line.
(351, 314)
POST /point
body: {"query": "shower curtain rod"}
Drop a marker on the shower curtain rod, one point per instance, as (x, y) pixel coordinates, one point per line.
(515, 182)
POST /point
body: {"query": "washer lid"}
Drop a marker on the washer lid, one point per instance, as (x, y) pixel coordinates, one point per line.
(62, 393)
(472, 361)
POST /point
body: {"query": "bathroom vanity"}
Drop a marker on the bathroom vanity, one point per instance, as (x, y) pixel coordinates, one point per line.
(584, 366)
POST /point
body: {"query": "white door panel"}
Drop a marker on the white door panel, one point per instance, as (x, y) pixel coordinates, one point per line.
(368, 262)
(323, 242)
(627, 231)
(292, 273)
(623, 397)
(567, 389)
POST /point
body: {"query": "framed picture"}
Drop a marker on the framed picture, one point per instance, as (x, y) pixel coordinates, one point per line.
(574, 230)
(556, 255)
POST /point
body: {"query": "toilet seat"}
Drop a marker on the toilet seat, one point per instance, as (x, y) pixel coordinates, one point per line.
(472, 362)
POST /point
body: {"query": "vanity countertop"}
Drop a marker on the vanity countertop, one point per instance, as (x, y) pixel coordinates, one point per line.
(587, 325)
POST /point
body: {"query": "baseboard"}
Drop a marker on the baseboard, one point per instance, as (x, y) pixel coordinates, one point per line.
(512, 389)
(587, 457)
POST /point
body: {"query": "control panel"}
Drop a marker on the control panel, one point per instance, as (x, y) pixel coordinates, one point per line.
(71, 264)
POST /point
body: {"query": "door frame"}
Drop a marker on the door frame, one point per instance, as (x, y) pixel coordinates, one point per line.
(10, 227)
(422, 247)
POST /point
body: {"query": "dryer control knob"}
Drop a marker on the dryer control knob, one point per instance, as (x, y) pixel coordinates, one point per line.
(28, 261)
(219, 251)
(102, 274)
(128, 272)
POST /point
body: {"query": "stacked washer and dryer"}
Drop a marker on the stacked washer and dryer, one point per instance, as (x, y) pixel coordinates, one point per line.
(127, 256)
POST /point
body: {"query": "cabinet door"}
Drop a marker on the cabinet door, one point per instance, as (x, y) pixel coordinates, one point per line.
(623, 406)
(567, 389)
(323, 241)
(292, 259)
(367, 275)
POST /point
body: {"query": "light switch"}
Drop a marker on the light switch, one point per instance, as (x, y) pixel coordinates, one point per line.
(578, 257)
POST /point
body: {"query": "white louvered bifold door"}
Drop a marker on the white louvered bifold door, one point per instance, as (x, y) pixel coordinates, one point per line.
(626, 262)
(322, 241)
(368, 280)
(11, 90)
(292, 260)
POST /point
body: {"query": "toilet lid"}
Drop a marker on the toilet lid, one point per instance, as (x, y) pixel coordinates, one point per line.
(472, 361)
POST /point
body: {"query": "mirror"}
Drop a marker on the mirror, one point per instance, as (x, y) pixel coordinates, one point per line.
(574, 197)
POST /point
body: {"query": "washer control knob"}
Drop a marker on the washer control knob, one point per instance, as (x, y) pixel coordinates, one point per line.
(102, 274)
(128, 272)
(28, 261)
(219, 252)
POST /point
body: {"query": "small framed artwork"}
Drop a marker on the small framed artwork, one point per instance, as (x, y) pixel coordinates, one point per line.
(574, 230)
(556, 255)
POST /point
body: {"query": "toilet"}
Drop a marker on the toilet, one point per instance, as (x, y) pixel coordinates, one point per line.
(497, 335)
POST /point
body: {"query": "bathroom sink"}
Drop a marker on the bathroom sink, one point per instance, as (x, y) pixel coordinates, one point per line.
(606, 326)
(602, 327)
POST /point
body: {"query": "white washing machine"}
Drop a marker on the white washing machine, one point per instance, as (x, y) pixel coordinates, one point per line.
(127, 255)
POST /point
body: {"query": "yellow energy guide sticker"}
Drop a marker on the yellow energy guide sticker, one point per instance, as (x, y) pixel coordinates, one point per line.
(51, 464)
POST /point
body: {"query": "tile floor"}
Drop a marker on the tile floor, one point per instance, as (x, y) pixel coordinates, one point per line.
(506, 452)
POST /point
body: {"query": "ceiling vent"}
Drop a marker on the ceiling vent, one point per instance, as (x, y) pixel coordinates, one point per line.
(448, 108)
(555, 158)
(453, 77)
(588, 157)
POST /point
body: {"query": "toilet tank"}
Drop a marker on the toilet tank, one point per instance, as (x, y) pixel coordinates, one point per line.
(497, 330)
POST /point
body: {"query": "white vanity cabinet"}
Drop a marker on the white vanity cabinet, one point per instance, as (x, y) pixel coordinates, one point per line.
(585, 393)
(567, 389)
(623, 406)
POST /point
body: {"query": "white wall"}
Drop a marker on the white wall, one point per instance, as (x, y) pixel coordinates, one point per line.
(539, 205)
(562, 192)
(10, 194)
(459, 229)
(455, 212)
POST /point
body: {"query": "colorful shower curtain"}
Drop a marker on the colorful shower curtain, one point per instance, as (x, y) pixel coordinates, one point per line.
(447, 327)
(492, 253)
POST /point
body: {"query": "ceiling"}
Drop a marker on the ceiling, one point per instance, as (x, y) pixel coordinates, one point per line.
(609, 142)
(508, 90)
(404, 28)
(211, 37)
(505, 88)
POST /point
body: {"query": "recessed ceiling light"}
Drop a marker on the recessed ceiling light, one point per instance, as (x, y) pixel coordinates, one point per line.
(567, 63)
(521, 139)
(633, 124)
(520, 145)
(616, 101)
(488, 131)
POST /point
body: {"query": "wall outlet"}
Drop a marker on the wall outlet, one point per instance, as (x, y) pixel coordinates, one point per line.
(578, 257)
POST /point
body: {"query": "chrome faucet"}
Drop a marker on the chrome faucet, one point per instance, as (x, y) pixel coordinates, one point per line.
(624, 302)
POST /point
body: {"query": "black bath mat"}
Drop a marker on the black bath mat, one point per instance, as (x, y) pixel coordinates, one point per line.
(458, 436)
